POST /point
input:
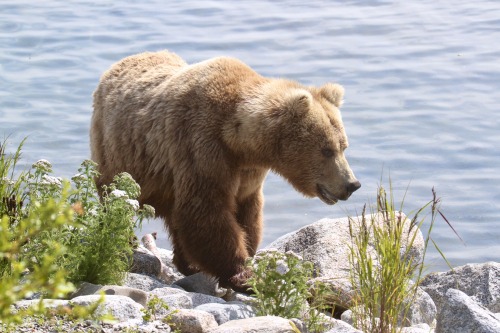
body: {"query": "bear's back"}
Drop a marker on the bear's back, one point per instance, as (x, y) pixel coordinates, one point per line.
(152, 108)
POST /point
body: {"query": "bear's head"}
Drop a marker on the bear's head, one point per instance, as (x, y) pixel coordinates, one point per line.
(310, 140)
(296, 131)
(300, 131)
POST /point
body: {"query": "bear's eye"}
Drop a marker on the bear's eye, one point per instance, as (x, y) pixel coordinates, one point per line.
(327, 152)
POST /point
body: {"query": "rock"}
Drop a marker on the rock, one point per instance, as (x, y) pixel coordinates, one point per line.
(420, 328)
(233, 296)
(199, 299)
(341, 293)
(142, 282)
(340, 326)
(122, 308)
(178, 301)
(481, 282)
(137, 295)
(266, 324)
(326, 244)
(156, 326)
(346, 317)
(47, 303)
(168, 273)
(201, 283)
(299, 324)
(422, 310)
(193, 321)
(226, 312)
(167, 257)
(166, 291)
(144, 262)
(178, 298)
(459, 313)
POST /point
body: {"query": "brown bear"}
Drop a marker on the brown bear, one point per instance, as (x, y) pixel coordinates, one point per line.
(200, 139)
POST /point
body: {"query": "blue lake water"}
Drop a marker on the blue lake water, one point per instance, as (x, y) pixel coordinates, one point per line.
(422, 83)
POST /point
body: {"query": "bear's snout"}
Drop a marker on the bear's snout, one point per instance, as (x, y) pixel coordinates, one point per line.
(353, 187)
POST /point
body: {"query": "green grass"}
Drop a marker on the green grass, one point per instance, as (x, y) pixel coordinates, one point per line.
(383, 264)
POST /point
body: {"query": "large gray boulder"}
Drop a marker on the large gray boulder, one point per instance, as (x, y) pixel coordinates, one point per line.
(326, 243)
(459, 313)
(481, 282)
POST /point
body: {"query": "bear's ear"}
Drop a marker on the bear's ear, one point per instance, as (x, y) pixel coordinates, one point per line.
(333, 92)
(298, 101)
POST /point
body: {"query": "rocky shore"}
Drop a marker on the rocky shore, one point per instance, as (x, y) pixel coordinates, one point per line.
(465, 299)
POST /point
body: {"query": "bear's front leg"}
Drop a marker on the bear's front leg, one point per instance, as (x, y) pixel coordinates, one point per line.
(211, 238)
(249, 217)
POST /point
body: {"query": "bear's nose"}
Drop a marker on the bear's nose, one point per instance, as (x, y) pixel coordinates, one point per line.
(353, 186)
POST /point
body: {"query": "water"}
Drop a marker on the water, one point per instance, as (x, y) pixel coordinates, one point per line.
(422, 81)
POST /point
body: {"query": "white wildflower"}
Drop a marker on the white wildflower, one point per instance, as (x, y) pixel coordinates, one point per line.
(118, 194)
(7, 181)
(92, 212)
(89, 163)
(79, 177)
(266, 252)
(50, 180)
(133, 203)
(282, 267)
(148, 211)
(42, 165)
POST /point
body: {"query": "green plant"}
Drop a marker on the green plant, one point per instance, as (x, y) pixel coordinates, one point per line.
(383, 262)
(280, 285)
(100, 251)
(63, 317)
(20, 275)
(11, 191)
(156, 307)
(52, 235)
(20, 278)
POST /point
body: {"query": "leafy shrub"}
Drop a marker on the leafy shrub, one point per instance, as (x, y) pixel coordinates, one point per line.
(45, 277)
(52, 236)
(280, 285)
(19, 225)
(100, 251)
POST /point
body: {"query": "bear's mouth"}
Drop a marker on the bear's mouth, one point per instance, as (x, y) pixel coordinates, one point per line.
(325, 195)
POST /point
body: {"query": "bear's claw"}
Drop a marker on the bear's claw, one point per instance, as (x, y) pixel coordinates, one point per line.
(238, 282)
